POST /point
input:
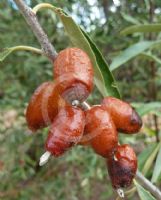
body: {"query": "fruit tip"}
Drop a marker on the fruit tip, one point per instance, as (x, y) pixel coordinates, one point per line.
(120, 192)
(44, 158)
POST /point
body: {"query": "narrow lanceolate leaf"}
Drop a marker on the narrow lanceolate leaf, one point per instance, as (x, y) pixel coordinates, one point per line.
(104, 79)
(151, 57)
(130, 19)
(145, 108)
(150, 160)
(143, 194)
(157, 168)
(143, 28)
(7, 51)
(144, 155)
(4, 53)
(132, 52)
(110, 82)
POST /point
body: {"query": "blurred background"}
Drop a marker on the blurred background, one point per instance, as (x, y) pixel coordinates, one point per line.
(79, 174)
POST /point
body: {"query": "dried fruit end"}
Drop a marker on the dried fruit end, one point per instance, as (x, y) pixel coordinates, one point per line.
(44, 158)
(120, 193)
(77, 91)
(123, 168)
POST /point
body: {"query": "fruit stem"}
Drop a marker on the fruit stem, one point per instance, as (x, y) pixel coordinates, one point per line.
(85, 106)
(44, 158)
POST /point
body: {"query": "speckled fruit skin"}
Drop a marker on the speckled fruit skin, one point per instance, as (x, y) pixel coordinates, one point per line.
(75, 64)
(122, 166)
(124, 116)
(101, 131)
(65, 131)
(43, 106)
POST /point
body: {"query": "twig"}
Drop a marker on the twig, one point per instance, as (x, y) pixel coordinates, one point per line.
(31, 19)
(148, 185)
(51, 53)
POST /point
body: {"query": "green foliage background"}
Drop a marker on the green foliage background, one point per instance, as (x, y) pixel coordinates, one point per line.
(79, 174)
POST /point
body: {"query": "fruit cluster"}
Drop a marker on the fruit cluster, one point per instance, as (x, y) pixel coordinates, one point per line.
(58, 104)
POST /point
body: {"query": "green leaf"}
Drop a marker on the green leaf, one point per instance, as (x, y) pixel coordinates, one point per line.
(157, 168)
(132, 52)
(110, 82)
(130, 19)
(151, 57)
(143, 28)
(4, 53)
(149, 131)
(150, 160)
(145, 108)
(143, 194)
(103, 77)
(144, 155)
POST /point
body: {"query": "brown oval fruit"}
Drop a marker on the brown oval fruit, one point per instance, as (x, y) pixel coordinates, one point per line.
(122, 166)
(100, 131)
(124, 116)
(65, 131)
(74, 64)
(43, 106)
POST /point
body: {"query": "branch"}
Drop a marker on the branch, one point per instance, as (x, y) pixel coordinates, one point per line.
(148, 185)
(41, 36)
(50, 52)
